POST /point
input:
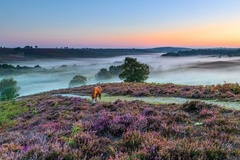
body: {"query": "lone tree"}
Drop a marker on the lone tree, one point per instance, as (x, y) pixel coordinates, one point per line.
(134, 71)
(78, 80)
(8, 89)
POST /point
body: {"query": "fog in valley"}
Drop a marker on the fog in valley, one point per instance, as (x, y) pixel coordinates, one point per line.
(197, 70)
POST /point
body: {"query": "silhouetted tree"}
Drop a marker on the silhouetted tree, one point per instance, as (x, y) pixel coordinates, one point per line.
(28, 47)
(7, 66)
(17, 48)
(37, 66)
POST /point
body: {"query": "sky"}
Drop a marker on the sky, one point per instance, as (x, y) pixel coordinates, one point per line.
(120, 23)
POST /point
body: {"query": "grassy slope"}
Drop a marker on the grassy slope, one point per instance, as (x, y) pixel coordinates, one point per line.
(51, 127)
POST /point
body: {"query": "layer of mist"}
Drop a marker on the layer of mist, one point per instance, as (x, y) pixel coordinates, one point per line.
(196, 70)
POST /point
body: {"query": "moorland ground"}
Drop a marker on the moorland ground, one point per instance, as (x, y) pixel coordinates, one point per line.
(43, 126)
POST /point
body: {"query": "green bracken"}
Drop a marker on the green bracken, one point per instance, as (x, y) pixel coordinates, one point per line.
(9, 110)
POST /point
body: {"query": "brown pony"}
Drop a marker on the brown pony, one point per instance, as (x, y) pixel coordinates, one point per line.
(96, 92)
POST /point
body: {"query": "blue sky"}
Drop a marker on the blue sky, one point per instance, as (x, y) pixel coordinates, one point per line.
(120, 23)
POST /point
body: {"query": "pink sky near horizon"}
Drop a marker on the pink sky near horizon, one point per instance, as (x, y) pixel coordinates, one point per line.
(224, 35)
(219, 35)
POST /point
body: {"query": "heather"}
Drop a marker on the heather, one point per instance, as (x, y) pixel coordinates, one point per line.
(58, 127)
(224, 92)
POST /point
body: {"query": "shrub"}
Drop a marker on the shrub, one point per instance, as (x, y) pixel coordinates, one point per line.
(78, 126)
(103, 74)
(8, 111)
(115, 70)
(33, 153)
(90, 144)
(119, 124)
(236, 89)
(8, 89)
(132, 140)
(78, 80)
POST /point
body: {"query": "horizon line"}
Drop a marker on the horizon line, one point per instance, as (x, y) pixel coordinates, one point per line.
(66, 47)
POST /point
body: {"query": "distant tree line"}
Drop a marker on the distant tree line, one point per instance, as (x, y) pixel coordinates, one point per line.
(49, 53)
(9, 66)
(26, 47)
(8, 69)
(130, 71)
(108, 73)
(214, 52)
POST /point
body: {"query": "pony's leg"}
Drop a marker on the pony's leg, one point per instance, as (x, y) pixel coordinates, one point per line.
(93, 100)
(100, 96)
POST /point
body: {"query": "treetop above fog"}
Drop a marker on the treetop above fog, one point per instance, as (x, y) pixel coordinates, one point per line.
(134, 71)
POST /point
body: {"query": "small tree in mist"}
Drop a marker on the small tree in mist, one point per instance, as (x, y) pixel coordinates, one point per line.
(115, 70)
(8, 89)
(103, 74)
(134, 71)
(78, 80)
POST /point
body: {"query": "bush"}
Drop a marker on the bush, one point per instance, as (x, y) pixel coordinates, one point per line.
(78, 80)
(8, 111)
(132, 140)
(115, 70)
(103, 74)
(236, 89)
(8, 89)
(133, 71)
(90, 144)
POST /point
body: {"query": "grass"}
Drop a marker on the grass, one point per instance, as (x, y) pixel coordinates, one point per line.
(9, 110)
(164, 100)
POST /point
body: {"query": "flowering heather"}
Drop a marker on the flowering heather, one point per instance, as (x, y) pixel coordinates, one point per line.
(226, 91)
(58, 127)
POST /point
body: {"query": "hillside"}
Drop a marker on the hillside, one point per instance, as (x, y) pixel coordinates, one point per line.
(169, 49)
(209, 52)
(8, 54)
(21, 54)
(44, 126)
